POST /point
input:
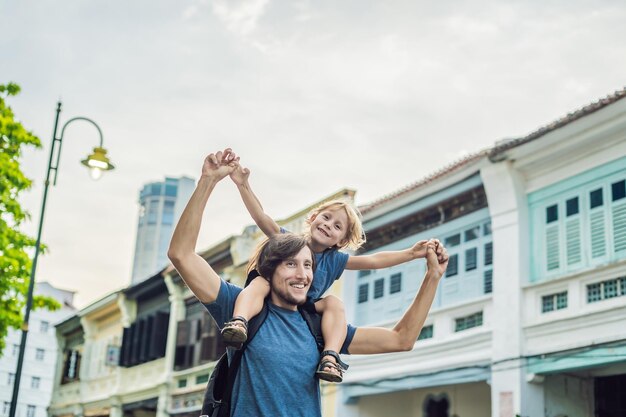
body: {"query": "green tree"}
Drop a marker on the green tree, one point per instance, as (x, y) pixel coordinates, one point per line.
(15, 262)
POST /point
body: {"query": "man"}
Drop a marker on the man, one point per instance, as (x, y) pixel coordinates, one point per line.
(276, 373)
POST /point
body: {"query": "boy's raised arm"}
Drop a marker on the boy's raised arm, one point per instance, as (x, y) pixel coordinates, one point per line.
(201, 279)
(240, 177)
(387, 259)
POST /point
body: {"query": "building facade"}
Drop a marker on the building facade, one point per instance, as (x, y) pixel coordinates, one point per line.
(528, 319)
(38, 369)
(160, 206)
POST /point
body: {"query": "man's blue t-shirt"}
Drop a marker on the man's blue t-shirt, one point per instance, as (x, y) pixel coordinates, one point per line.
(329, 267)
(276, 376)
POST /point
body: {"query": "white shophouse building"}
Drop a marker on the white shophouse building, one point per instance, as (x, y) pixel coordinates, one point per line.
(39, 358)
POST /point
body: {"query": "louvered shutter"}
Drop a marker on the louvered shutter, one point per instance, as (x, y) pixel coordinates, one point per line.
(572, 240)
(182, 337)
(618, 210)
(552, 247)
(159, 335)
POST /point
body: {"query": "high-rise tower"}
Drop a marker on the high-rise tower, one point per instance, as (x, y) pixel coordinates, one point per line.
(161, 204)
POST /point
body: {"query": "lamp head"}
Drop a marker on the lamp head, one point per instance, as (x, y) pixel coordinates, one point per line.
(97, 162)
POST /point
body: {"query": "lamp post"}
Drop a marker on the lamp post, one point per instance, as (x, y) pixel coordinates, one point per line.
(97, 162)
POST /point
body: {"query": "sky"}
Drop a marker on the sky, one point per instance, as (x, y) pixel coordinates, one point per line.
(315, 96)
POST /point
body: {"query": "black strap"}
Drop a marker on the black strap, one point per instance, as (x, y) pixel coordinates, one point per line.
(253, 327)
(313, 320)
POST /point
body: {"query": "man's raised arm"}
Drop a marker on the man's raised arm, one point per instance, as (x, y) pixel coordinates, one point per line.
(404, 334)
(201, 279)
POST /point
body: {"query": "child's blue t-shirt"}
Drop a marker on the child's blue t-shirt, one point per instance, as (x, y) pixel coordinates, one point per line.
(329, 267)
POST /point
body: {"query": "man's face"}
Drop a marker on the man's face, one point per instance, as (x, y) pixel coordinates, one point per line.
(292, 280)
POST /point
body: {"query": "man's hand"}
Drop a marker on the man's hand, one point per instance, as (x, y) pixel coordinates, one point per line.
(240, 175)
(436, 259)
(220, 164)
(420, 249)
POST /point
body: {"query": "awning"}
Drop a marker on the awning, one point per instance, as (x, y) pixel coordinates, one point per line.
(462, 375)
(581, 358)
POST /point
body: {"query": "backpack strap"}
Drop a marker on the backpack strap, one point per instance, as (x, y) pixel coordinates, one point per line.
(313, 320)
(253, 327)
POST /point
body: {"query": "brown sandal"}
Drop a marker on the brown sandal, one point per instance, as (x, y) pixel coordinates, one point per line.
(339, 366)
(235, 332)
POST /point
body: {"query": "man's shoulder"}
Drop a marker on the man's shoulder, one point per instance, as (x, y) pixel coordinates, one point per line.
(222, 307)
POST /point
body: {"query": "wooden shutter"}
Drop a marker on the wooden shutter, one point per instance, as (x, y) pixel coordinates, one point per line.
(159, 335)
(552, 247)
(182, 336)
(619, 225)
(572, 239)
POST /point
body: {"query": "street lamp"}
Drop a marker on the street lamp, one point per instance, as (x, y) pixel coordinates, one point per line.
(97, 162)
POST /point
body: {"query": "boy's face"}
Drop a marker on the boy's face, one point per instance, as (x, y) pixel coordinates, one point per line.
(329, 227)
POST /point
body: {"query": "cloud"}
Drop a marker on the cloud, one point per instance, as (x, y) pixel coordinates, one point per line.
(240, 16)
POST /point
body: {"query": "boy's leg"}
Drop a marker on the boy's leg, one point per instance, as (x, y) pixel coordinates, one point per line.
(249, 303)
(334, 330)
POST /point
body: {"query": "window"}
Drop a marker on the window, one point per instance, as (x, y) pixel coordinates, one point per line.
(473, 233)
(488, 282)
(487, 229)
(10, 379)
(453, 265)
(571, 206)
(579, 225)
(454, 240)
(71, 366)
(6, 407)
(395, 283)
(182, 383)
(153, 210)
(16, 350)
(39, 354)
(426, 333)
(34, 382)
(618, 190)
(488, 253)
(202, 379)
(595, 198)
(170, 190)
(552, 214)
(470, 259)
(554, 302)
(464, 323)
(43, 326)
(379, 288)
(30, 411)
(364, 273)
(363, 292)
(606, 289)
(168, 213)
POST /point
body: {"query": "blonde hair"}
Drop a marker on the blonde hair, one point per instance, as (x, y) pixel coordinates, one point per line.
(355, 236)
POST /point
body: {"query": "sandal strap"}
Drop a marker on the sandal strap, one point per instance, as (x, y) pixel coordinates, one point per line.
(239, 318)
(344, 366)
(330, 364)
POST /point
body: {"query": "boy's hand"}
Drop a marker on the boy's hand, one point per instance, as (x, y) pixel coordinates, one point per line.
(420, 249)
(436, 267)
(240, 175)
(219, 164)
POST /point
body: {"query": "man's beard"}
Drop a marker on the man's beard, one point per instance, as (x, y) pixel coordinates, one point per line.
(286, 297)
